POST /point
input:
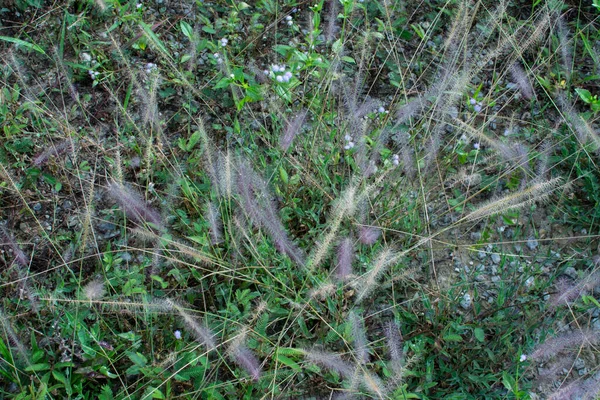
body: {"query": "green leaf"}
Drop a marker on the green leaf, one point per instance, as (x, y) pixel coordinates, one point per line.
(38, 367)
(479, 334)
(23, 43)
(289, 362)
(453, 337)
(508, 381)
(152, 36)
(585, 95)
(187, 30)
(283, 175)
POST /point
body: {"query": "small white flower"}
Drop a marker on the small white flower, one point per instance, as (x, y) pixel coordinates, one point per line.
(476, 146)
(477, 108)
(381, 110)
(350, 145)
(224, 42)
(463, 138)
(473, 101)
(139, 5)
(86, 57)
(279, 78)
(177, 334)
(266, 72)
(231, 76)
(348, 138)
(288, 18)
(523, 358)
(290, 23)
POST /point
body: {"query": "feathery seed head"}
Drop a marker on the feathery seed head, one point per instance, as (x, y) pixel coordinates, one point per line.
(133, 205)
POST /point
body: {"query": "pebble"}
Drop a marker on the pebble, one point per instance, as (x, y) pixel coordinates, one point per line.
(37, 207)
(475, 235)
(529, 282)
(496, 258)
(481, 255)
(596, 324)
(106, 227)
(532, 243)
(466, 301)
(495, 278)
(571, 273)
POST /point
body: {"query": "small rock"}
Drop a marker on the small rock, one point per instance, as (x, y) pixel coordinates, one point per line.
(495, 278)
(475, 235)
(481, 255)
(466, 301)
(529, 282)
(105, 227)
(532, 243)
(496, 258)
(518, 248)
(571, 273)
(37, 207)
(596, 324)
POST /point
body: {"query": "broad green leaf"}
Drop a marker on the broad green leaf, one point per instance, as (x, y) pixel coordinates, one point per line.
(20, 42)
(187, 30)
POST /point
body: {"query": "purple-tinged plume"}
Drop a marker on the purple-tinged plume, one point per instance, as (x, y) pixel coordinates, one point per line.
(345, 255)
(331, 361)
(256, 202)
(133, 205)
(54, 150)
(552, 347)
(292, 129)
(214, 221)
(522, 80)
(247, 360)
(9, 241)
(368, 234)
(394, 342)
(360, 337)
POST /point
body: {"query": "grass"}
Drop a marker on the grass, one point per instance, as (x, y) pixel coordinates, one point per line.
(280, 199)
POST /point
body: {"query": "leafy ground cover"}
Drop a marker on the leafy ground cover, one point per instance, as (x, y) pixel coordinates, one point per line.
(287, 199)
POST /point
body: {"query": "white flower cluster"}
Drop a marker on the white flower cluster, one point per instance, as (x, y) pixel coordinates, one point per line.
(477, 105)
(218, 58)
(395, 160)
(289, 21)
(148, 68)
(87, 58)
(224, 42)
(349, 142)
(279, 73)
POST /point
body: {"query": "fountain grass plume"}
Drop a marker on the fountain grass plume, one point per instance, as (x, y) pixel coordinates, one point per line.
(359, 337)
(292, 129)
(523, 198)
(367, 283)
(202, 333)
(257, 203)
(9, 241)
(134, 206)
(330, 361)
(345, 256)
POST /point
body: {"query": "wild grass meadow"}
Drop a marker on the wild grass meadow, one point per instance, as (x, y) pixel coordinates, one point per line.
(289, 199)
